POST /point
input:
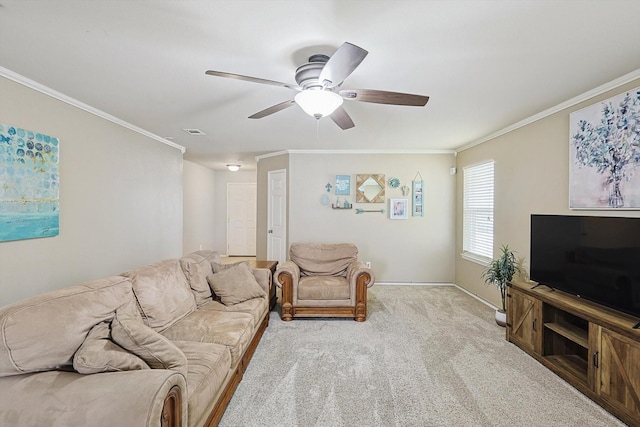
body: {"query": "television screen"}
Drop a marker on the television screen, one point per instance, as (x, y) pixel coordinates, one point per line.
(597, 258)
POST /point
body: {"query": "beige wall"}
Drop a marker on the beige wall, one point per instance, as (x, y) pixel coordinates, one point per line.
(199, 204)
(220, 227)
(120, 198)
(531, 176)
(419, 249)
(265, 165)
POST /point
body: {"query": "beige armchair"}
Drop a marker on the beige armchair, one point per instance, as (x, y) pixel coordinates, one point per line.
(324, 280)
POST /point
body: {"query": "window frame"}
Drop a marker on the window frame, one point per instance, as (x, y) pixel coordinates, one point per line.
(481, 231)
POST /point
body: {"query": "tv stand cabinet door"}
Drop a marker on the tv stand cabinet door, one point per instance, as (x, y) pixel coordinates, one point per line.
(524, 321)
(617, 366)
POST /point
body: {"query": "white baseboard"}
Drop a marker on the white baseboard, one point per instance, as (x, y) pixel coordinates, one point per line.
(413, 284)
(485, 302)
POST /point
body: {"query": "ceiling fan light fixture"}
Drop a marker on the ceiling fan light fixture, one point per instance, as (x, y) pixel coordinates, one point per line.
(318, 103)
(233, 168)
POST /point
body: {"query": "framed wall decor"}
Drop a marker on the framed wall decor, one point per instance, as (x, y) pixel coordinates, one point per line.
(398, 208)
(343, 185)
(29, 193)
(604, 154)
(418, 198)
(370, 188)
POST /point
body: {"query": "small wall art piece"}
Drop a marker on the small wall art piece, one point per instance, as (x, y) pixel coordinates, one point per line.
(398, 208)
(604, 155)
(418, 198)
(343, 185)
(370, 188)
(29, 194)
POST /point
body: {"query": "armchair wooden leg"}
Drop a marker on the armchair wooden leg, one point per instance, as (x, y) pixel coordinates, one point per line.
(361, 298)
(287, 296)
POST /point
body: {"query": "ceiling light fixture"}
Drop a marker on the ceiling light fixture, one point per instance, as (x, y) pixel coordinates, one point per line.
(318, 103)
(233, 168)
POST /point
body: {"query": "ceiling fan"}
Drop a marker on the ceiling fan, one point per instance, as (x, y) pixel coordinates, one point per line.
(318, 87)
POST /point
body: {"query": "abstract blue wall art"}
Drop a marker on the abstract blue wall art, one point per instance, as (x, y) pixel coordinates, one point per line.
(29, 186)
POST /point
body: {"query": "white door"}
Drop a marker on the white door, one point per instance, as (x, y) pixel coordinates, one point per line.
(241, 219)
(277, 216)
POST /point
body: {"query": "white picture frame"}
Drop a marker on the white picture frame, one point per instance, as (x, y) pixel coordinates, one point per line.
(398, 208)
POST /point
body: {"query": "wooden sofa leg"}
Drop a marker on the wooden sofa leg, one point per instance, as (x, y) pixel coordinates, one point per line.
(286, 281)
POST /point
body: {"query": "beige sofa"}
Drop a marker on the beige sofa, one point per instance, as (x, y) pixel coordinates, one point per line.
(149, 347)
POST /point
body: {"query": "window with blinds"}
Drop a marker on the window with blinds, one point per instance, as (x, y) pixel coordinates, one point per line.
(477, 226)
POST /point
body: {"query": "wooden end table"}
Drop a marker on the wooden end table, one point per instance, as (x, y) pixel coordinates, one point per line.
(271, 265)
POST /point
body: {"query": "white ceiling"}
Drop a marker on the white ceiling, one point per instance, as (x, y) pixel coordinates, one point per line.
(485, 65)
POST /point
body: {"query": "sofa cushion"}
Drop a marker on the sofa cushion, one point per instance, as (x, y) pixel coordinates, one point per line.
(323, 259)
(196, 268)
(209, 366)
(99, 354)
(163, 294)
(256, 307)
(235, 284)
(323, 288)
(45, 331)
(232, 329)
(150, 346)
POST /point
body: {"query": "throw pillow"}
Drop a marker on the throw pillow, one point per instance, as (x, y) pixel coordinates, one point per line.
(99, 354)
(158, 351)
(217, 267)
(235, 284)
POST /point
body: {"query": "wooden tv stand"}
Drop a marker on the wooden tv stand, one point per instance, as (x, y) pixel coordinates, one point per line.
(592, 347)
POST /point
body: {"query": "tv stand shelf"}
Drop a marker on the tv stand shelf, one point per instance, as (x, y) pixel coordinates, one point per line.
(570, 332)
(592, 347)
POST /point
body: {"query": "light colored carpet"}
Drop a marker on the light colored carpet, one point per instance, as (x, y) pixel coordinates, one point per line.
(426, 356)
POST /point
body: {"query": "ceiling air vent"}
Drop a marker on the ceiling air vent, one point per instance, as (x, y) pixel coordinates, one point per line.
(197, 132)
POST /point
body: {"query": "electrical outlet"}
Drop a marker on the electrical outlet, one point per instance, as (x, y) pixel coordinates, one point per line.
(368, 263)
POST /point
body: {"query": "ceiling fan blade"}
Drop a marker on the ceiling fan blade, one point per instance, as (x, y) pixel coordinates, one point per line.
(342, 118)
(273, 109)
(252, 79)
(341, 64)
(384, 97)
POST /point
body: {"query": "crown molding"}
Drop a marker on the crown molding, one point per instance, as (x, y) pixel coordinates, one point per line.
(294, 151)
(20, 79)
(627, 78)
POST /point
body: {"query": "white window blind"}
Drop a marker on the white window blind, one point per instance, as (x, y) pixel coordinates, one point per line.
(477, 227)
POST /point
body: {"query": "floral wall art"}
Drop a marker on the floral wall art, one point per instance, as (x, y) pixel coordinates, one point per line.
(29, 190)
(605, 154)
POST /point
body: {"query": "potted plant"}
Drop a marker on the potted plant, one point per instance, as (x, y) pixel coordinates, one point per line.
(499, 272)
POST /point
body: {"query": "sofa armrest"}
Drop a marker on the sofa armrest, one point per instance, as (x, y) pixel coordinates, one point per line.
(143, 397)
(358, 268)
(263, 277)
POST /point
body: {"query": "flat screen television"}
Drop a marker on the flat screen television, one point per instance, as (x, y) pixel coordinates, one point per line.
(592, 257)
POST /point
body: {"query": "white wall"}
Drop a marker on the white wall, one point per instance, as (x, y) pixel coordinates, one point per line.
(120, 198)
(199, 204)
(419, 249)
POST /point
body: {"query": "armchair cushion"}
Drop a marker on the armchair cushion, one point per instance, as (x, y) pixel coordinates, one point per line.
(323, 259)
(323, 288)
(236, 284)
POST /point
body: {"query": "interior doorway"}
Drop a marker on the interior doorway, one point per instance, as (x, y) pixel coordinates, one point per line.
(277, 216)
(241, 219)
